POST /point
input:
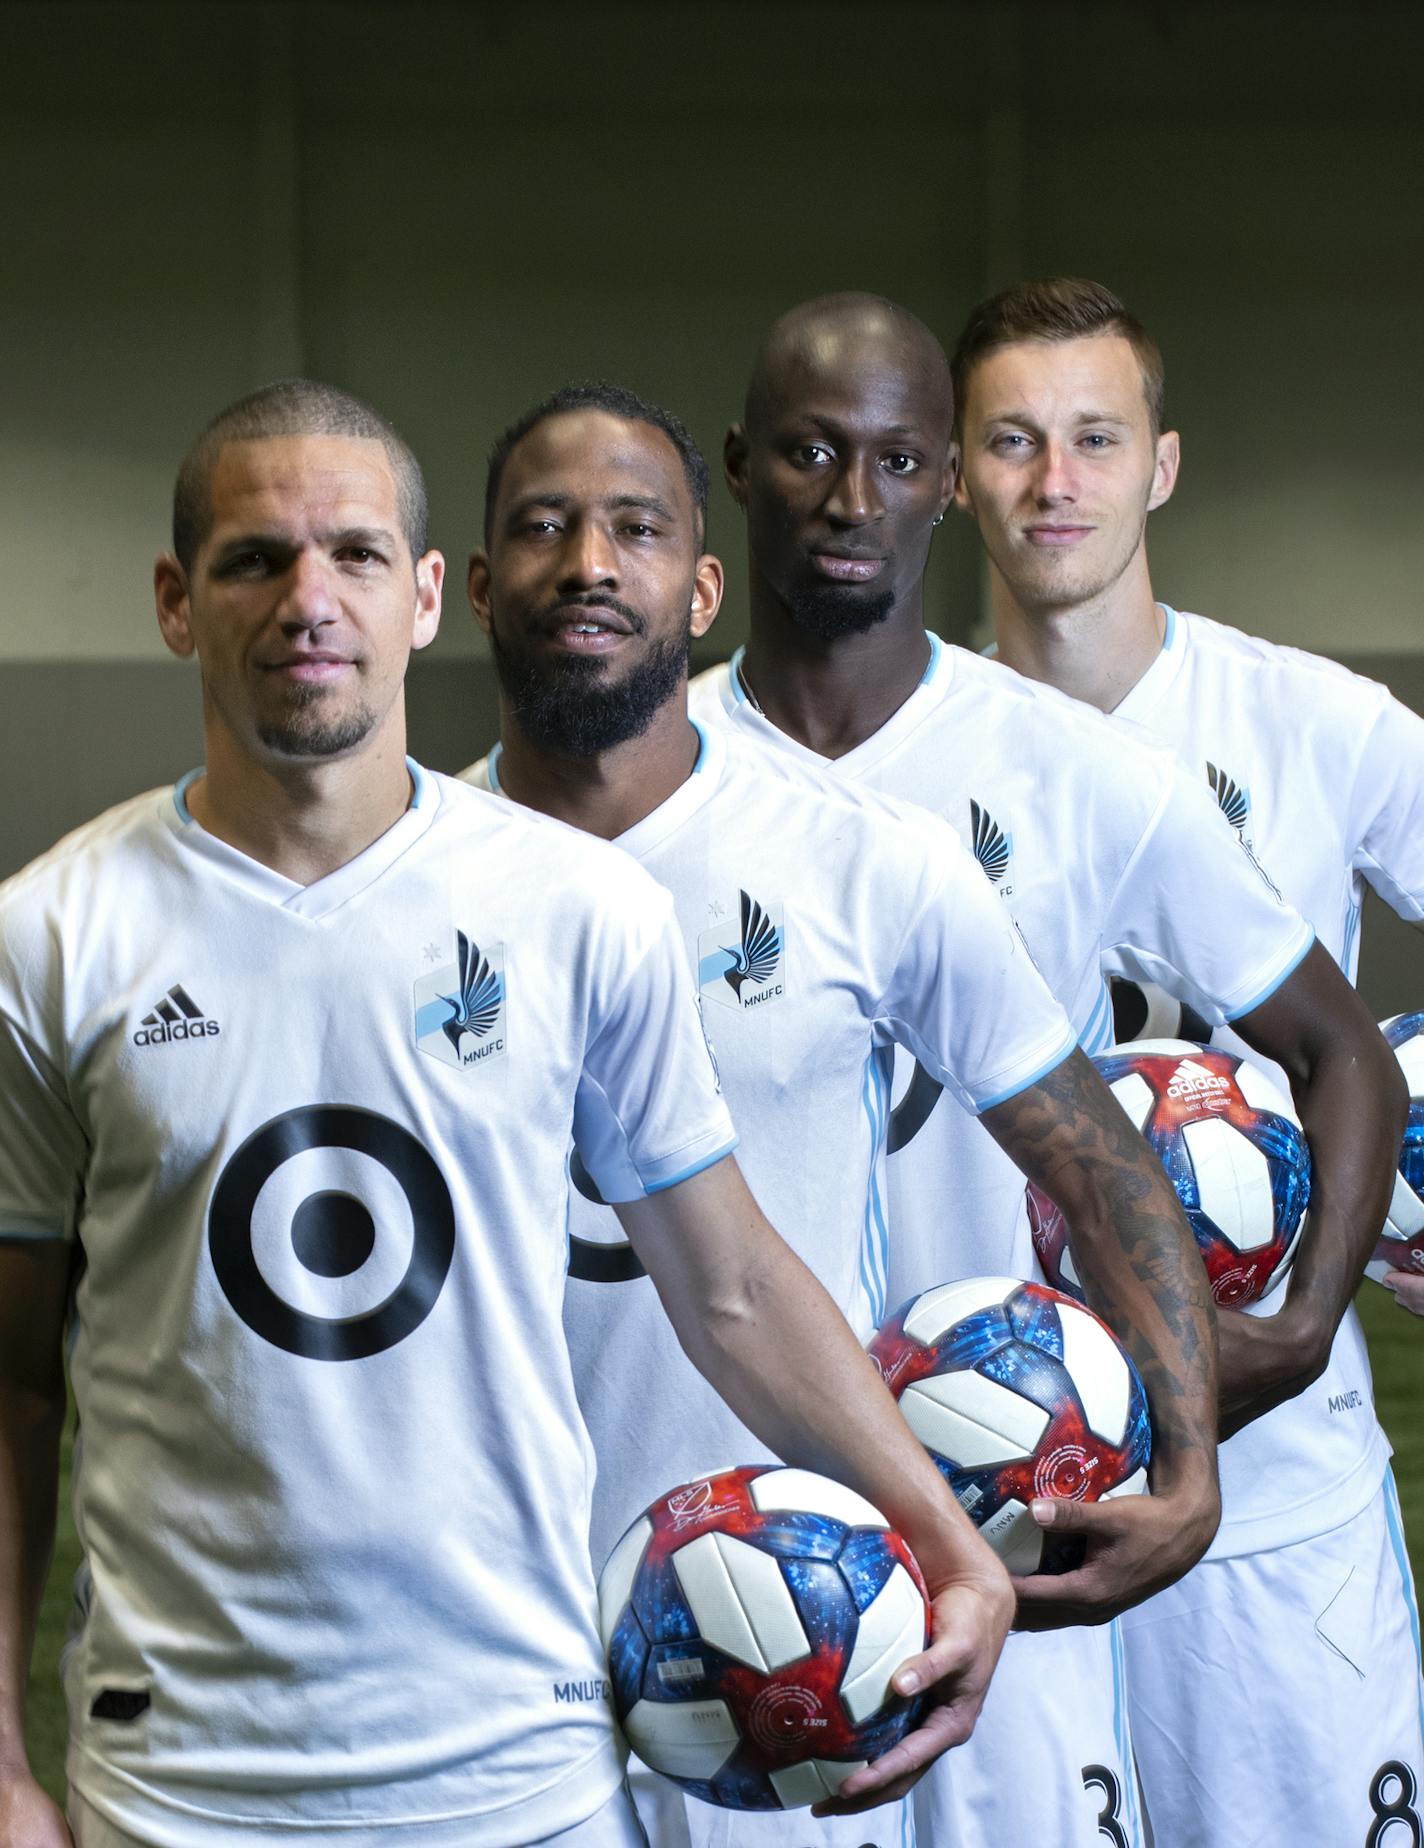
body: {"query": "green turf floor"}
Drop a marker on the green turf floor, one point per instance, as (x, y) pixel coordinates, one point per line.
(1396, 1349)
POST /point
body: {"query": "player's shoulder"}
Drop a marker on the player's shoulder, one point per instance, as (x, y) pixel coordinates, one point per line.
(814, 802)
(558, 865)
(117, 839)
(1084, 742)
(1321, 683)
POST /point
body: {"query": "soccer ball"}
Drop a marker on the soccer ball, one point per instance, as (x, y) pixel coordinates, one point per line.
(1017, 1392)
(1233, 1148)
(752, 1621)
(1401, 1245)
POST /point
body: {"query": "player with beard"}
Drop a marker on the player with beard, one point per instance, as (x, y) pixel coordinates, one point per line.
(1102, 850)
(1302, 1624)
(292, 1056)
(826, 926)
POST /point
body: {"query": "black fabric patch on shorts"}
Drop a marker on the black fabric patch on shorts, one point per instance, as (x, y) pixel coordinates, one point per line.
(125, 1704)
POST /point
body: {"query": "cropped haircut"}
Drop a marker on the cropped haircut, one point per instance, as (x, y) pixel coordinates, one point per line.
(292, 407)
(1056, 308)
(617, 401)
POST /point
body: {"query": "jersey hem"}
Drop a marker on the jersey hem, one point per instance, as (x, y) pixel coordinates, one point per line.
(165, 1822)
(1339, 1501)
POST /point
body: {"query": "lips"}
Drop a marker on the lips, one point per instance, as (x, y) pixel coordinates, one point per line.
(1056, 535)
(848, 567)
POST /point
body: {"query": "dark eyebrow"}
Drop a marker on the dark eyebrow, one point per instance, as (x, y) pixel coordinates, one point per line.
(372, 538)
(618, 503)
(644, 503)
(832, 426)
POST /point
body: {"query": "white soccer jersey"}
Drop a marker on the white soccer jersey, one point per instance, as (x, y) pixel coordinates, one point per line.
(312, 1143)
(1321, 772)
(1093, 845)
(825, 925)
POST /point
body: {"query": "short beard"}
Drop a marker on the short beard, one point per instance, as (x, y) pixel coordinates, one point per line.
(306, 733)
(569, 711)
(831, 612)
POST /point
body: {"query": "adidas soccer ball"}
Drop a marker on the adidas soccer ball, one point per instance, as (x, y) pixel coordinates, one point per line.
(1401, 1245)
(752, 1621)
(1233, 1148)
(1017, 1392)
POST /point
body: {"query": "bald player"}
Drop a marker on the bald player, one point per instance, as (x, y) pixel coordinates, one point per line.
(1101, 848)
(1301, 1626)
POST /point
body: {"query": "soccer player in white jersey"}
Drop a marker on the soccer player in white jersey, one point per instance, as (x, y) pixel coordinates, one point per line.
(292, 1056)
(1276, 1692)
(825, 925)
(844, 465)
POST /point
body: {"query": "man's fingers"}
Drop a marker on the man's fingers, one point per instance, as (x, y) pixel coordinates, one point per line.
(894, 1772)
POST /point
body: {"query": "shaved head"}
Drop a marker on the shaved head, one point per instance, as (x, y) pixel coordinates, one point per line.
(841, 336)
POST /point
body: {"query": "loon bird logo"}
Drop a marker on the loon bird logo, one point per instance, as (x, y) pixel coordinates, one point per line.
(1233, 801)
(460, 1010)
(993, 849)
(756, 956)
(751, 972)
(481, 992)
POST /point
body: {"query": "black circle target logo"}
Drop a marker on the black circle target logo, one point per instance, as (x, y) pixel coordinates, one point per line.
(333, 1233)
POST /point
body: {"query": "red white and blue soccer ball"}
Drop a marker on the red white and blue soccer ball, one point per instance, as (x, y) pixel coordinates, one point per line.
(1401, 1246)
(1017, 1392)
(753, 1620)
(1233, 1148)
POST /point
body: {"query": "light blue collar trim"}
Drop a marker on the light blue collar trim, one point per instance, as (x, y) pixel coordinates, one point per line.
(422, 789)
(492, 768)
(932, 665)
(1170, 631)
(180, 796)
(739, 691)
(734, 671)
(701, 763)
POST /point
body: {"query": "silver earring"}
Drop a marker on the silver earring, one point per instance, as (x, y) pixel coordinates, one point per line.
(938, 520)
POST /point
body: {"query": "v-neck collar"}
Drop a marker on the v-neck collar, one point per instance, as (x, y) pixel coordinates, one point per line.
(325, 895)
(871, 751)
(1139, 700)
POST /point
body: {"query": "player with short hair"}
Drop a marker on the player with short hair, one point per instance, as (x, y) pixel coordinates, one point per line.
(1301, 1626)
(1100, 848)
(826, 925)
(292, 1057)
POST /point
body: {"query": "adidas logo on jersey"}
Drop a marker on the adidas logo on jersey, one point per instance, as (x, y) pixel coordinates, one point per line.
(1194, 1082)
(177, 1017)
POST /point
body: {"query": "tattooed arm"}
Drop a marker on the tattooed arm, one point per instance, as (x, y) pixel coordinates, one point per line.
(1141, 1272)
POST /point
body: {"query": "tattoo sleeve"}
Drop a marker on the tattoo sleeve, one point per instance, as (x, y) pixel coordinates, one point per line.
(1131, 1243)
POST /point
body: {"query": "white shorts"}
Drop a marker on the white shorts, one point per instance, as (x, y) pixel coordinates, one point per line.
(1276, 1697)
(616, 1825)
(675, 1820)
(1050, 1762)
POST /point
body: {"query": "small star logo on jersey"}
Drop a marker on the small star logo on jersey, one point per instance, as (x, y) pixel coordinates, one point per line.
(1234, 801)
(176, 1017)
(460, 1009)
(749, 973)
(993, 849)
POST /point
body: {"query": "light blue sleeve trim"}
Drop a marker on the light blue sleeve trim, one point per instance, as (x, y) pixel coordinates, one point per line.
(180, 796)
(674, 1180)
(492, 768)
(734, 676)
(1067, 1045)
(42, 1232)
(1271, 987)
(701, 763)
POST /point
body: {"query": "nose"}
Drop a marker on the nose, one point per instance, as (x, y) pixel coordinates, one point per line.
(309, 596)
(587, 558)
(1056, 481)
(855, 498)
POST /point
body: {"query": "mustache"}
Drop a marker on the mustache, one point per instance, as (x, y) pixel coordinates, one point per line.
(550, 617)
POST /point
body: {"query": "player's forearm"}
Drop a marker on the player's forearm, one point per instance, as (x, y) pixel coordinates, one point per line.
(1134, 1252)
(30, 1427)
(772, 1342)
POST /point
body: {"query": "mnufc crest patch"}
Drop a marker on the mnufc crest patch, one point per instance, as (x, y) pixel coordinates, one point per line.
(744, 971)
(993, 848)
(460, 1009)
